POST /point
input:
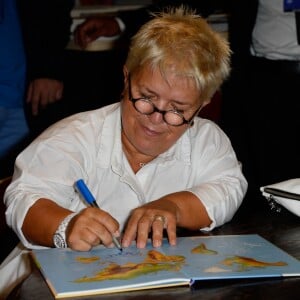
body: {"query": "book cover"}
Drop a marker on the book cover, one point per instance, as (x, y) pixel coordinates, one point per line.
(194, 259)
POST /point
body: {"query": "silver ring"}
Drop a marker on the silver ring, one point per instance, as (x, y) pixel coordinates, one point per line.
(160, 218)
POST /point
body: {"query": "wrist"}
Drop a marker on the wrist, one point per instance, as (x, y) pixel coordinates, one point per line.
(59, 237)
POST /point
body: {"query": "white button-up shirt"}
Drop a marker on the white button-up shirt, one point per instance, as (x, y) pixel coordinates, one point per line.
(88, 146)
(275, 33)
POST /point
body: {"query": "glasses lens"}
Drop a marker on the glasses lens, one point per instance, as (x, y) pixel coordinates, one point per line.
(144, 106)
(173, 118)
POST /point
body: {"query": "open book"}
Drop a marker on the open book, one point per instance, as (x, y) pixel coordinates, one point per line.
(194, 259)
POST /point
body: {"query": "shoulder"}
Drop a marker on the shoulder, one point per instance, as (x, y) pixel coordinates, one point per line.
(84, 120)
(74, 139)
(79, 129)
(206, 135)
(206, 128)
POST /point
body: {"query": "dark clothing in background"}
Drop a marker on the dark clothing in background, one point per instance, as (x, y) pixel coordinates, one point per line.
(92, 79)
(260, 108)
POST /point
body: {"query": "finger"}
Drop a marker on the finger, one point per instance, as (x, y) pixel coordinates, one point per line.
(171, 232)
(76, 38)
(82, 36)
(58, 95)
(49, 94)
(91, 239)
(35, 103)
(158, 226)
(92, 226)
(107, 228)
(96, 242)
(160, 219)
(170, 225)
(143, 229)
(82, 41)
(86, 243)
(45, 98)
(80, 245)
(83, 239)
(103, 235)
(131, 229)
(29, 94)
(95, 35)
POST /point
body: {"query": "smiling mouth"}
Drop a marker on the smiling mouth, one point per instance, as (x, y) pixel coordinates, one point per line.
(150, 132)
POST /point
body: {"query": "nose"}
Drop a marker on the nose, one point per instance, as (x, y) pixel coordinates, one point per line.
(156, 117)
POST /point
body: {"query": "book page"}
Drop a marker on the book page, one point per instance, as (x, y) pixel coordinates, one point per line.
(234, 257)
(101, 270)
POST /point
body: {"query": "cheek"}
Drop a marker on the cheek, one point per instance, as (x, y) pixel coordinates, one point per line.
(129, 119)
(132, 122)
(127, 112)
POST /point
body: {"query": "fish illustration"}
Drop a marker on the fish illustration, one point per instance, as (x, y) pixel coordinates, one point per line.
(154, 262)
(245, 263)
(201, 249)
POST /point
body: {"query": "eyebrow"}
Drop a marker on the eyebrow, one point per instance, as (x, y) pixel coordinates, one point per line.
(175, 101)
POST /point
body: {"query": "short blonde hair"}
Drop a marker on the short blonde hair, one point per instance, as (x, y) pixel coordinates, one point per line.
(182, 42)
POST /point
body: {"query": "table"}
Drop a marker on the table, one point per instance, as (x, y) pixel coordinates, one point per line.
(282, 229)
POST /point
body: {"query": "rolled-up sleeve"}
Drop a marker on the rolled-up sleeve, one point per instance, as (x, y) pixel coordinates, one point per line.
(46, 169)
(223, 185)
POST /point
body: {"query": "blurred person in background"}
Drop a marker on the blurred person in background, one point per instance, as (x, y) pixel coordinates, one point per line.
(260, 107)
(13, 126)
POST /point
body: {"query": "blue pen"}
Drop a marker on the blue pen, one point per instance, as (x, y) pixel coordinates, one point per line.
(90, 199)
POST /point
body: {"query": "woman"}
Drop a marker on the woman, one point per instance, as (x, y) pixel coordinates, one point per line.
(151, 163)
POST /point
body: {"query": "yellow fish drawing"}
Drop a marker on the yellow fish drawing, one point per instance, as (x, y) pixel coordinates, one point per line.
(245, 263)
(201, 249)
(87, 260)
(154, 262)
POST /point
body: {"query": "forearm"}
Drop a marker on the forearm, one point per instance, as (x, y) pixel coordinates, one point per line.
(42, 220)
(190, 212)
(181, 209)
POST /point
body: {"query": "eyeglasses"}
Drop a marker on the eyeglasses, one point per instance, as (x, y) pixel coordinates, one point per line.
(145, 106)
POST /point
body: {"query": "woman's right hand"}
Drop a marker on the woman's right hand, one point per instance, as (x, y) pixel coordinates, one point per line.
(91, 227)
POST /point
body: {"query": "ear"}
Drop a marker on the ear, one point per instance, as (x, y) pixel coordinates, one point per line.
(126, 74)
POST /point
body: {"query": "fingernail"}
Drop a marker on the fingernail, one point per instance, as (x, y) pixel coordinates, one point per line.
(156, 243)
(116, 233)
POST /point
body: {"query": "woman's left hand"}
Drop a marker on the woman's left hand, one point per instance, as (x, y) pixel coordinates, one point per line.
(154, 217)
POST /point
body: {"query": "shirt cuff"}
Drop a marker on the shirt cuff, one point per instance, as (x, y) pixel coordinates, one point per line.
(121, 24)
